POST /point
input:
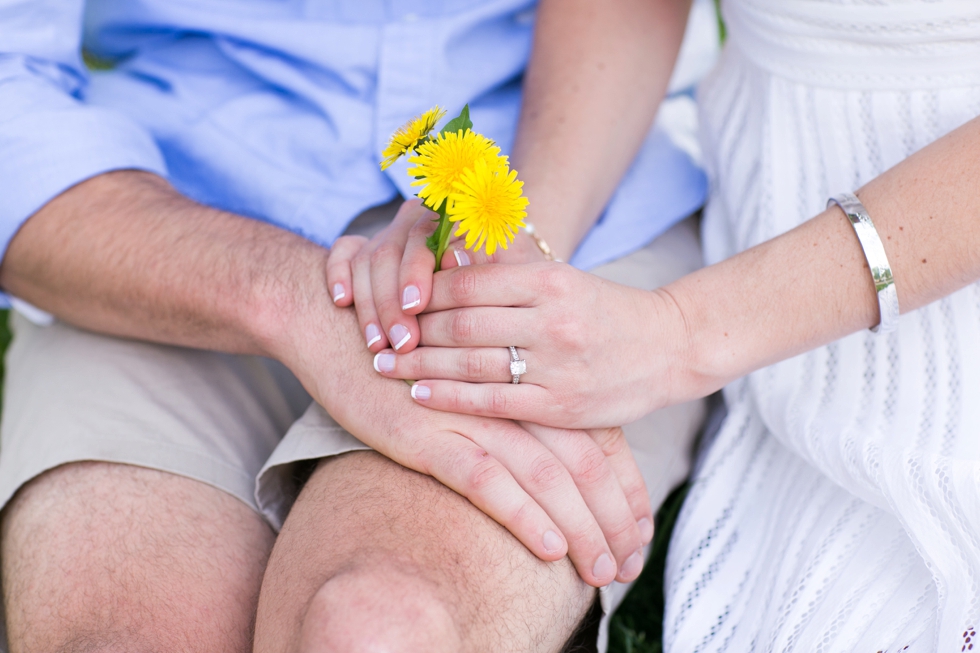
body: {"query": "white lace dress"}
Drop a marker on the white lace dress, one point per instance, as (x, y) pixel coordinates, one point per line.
(839, 507)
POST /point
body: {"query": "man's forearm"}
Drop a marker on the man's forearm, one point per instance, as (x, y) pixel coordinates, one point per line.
(125, 254)
(595, 81)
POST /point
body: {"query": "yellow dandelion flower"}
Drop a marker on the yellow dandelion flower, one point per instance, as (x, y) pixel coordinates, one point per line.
(441, 162)
(489, 206)
(407, 136)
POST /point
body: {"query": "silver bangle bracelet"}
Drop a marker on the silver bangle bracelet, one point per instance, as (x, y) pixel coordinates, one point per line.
(874, 252)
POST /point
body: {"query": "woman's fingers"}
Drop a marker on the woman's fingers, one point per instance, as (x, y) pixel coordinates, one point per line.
(484, 326)
(386, 259)
(417, 264)
(549, 483)
(498, 285)
(467, 468)
(474, 365)
(601, 490)
(339, 278)
(620, 458)
(523, 402)
(367, 315)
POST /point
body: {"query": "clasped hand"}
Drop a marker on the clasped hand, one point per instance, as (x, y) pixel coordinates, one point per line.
(585, 480)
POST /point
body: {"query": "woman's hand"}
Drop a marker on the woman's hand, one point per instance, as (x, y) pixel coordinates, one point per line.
(558, 492)
(598, 353)
(389, 278)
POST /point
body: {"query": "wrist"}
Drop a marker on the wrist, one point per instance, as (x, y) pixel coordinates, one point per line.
(700, 359)
(287, 291)
(551, 238)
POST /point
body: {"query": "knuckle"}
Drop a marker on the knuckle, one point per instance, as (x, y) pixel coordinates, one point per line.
(546, 472)
(569, 334)
(362, 259)
(472, 365)
(637, 497)
(461, 327)
(338, 266)
(552, 280)
(611, 441)
(497, 401)
(423, 226)
(483, 473)
(462, 285)
(417, 365)
(589, 466)
(455, 399)
(349, 243)
(524, 513)
(624, 528)
(385, 251)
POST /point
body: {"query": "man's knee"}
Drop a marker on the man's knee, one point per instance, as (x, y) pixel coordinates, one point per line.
(380, 609)
(105, 557)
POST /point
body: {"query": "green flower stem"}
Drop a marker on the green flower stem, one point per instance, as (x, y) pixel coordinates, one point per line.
(443, 231)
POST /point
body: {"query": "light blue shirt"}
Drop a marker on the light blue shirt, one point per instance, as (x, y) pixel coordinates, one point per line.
(278, 109)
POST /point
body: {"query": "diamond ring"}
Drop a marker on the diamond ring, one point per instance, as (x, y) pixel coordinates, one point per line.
(518, 366)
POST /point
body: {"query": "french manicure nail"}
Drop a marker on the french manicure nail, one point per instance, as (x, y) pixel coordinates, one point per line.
(399, 335)
(646, 529)
(338, 292)
(372, 334)
(552, 541)
(462, 258)
(421, 392)
(411, 297)
(605, 568)
(632, 567)
(384, 362)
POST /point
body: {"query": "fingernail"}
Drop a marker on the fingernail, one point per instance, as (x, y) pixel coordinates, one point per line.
(552, 541)
(605, 568)
(399, 335)
(411, 297)
(632, 567)
(372, 334)
(338, 292)
(646, 529)
(384, 362)
(462, 258)
(421, 392)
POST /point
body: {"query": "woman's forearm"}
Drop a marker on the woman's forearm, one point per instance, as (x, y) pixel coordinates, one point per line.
(812, 285)
(596, 78)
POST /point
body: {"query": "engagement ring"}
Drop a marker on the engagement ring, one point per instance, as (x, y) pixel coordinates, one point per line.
(518, 366)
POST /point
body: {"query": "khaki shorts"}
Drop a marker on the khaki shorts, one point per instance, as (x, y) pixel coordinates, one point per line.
(239, 423)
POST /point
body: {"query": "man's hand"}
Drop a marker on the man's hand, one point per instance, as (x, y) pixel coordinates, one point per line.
(557, 491)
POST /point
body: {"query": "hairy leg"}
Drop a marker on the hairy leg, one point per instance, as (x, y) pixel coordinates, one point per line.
(375, 557)
(108, 557)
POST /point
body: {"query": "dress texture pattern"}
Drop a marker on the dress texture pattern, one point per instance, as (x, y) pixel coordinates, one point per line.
(838, 508)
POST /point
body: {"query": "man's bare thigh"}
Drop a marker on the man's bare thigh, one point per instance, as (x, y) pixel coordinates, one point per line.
(375, 556)
(106, 557)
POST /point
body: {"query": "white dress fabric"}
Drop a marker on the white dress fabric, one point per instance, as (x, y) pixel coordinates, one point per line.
(838, 509)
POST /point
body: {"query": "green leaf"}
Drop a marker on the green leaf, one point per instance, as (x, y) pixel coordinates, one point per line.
(462, 121)
(432, 242)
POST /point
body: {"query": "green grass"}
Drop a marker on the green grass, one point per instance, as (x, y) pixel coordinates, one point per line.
(4, 341)
(637, 627)
(722, 32)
